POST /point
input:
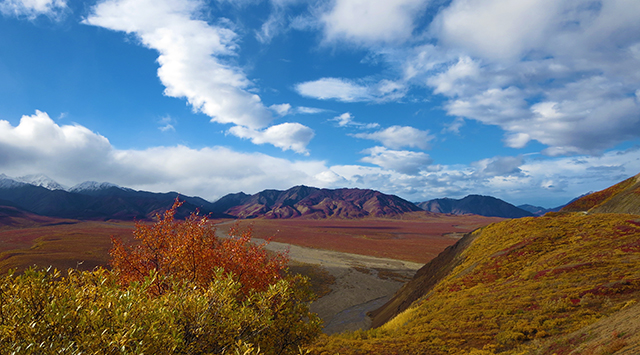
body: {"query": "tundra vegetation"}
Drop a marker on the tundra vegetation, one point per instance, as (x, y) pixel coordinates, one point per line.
(179, 290)
(564, 283)
(521, 287)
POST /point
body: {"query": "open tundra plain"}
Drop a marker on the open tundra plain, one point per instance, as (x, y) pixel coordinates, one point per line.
(355, 265)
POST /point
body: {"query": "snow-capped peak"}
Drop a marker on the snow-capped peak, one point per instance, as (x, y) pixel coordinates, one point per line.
(41, 180)
(92, 186)
(7, 182)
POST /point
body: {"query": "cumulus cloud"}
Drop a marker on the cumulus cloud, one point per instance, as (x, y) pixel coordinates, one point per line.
(39, 142)
(402, 161)
(396, 137)
(346, 90)
(282, 109)
(497, 28)
(33, 8)
(498, 166)
(195, 56)
(563, 73)
(287, 136)
(346, 120)
(72, 153)
(371, 21)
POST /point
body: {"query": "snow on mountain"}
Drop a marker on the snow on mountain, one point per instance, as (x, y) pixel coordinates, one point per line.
(8, 183)
(92, 186)
(41, 180)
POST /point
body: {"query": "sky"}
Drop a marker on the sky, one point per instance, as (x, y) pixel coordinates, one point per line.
(530, 101)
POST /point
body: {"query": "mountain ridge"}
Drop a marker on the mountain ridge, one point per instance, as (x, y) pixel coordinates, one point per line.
(475, 204)
(315, 203)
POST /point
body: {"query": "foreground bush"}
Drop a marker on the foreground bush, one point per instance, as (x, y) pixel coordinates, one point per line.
(43, 312)
(189, 250)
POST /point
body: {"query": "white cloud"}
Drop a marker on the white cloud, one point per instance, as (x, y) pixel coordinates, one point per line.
(402, 161)
(277, 21)
(498, 166)
(497, 28)
(282, 109)
(346, 120)
(346, 90)
(71, 154)
(334, 88)
(194, 56)
(454, 127)
(308, 110)
(287, 136)
(396, 137)
(166, 124)
(39, 142)
(371, 21)
(33, 8)
(449, 81)
(563, 73)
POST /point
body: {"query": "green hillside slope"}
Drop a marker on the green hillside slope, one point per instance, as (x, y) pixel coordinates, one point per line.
(522, 286)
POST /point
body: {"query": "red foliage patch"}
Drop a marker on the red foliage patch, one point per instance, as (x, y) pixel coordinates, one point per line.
(561, 269)
(615, 288)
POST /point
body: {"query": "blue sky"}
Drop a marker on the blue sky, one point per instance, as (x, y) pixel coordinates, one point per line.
(532, 101)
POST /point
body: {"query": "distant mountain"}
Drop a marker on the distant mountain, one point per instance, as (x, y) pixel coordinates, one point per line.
(92, 200)
(623, 197)
(539, 211)
(475, 204)
(41, 180)
(89, 187)
(311, 202)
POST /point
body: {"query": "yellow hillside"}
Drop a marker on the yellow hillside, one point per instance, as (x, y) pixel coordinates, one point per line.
(523, 286)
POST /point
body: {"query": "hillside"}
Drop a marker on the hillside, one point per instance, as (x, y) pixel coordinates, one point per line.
(12, 217)
(520, 285)
(623, 197)
(475, 204)
(313, 203)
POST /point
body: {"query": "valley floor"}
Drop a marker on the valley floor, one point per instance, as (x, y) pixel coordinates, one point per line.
(362, 284)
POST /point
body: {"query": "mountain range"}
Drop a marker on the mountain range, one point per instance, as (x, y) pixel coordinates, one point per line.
(93, 200)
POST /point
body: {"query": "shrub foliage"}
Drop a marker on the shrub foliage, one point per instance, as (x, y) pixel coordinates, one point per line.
(189, 250)
(179, 291)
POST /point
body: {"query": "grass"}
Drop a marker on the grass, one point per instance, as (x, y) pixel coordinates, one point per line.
(82, 244)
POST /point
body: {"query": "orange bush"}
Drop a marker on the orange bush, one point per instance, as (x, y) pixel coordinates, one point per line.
(189, 250)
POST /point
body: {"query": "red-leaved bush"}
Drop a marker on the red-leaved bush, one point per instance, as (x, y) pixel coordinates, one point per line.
(189, 250)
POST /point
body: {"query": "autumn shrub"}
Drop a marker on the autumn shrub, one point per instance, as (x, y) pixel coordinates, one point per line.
(180, 290)
(43, 312)
(189, 250)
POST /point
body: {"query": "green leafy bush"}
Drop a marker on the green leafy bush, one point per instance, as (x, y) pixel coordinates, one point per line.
(44, 312)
